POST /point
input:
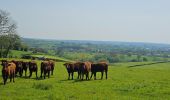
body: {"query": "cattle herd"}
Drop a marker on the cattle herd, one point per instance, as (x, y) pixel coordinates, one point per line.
(14, 68)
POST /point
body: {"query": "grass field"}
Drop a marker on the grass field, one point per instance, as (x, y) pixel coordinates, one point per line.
(150, 82)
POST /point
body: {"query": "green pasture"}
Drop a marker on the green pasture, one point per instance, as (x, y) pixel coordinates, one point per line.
(149, 82)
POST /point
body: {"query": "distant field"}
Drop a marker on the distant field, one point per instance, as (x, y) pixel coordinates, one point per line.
(18, 54)
(136, 83)
(51, 57)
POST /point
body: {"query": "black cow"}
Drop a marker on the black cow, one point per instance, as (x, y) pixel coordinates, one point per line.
(25, 67)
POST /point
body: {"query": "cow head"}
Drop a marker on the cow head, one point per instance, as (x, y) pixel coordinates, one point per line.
(4, 63)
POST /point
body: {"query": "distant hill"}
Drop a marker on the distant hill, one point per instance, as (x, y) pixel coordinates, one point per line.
(112, 51)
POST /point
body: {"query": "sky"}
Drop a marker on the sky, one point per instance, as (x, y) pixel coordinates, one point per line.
(101, 20)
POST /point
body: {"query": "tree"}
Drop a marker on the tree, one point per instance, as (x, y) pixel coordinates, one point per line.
(8, 35)
(138, 57)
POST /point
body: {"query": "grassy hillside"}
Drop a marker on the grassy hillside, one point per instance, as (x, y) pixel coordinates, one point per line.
(51, 57)
(134, 83)
(18, 54)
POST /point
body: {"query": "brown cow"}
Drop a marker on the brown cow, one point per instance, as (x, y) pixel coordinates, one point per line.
(8, 70)
(99, 67)
(73, 67)
(45, 68)
(19, 67)
(33, 68)
(85, 69)
(25, 67)
(52, 63)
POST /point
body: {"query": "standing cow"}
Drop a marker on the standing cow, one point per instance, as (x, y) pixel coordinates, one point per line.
(52, 63)
(25, 67)
(33, 68)
(99, 67)
(73, 67)
(45, 68)
(19, 67)
(8, 70)
(85, 69)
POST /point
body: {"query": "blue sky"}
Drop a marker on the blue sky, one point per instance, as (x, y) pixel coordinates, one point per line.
(110, 20)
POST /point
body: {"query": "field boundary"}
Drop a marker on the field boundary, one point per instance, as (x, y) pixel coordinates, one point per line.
(149, 64)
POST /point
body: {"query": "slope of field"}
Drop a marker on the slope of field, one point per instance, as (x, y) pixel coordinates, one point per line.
(124, 83)
(51, 57)
(18, 54)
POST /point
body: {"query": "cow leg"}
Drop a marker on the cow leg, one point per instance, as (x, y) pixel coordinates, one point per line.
(13, 77)
(25, 73)
(78, 75)
(20, 73)
(91, 75)
(86, 76)
(101, 75)
(30, 74)
(52, 71)
(68, 76)
(36, 74)
(44, 74)
(82, 76)
(5, 80)
(10, 77)
(41, 73)
(95, 76)
(106, 74)
(48, 74)
(72, 74)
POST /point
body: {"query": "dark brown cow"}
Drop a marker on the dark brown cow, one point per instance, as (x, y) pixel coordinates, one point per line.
(73, 67)
(85, 69)
(8, 70)
(52, 63)
(33, 68)
(25, 67)
(19, 67)
(99, 67)
(45, 68)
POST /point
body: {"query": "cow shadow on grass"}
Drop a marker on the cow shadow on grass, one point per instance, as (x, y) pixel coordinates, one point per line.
(72, 80)
(34, 78)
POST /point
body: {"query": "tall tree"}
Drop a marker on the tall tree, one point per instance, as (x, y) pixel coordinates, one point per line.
(8, 34)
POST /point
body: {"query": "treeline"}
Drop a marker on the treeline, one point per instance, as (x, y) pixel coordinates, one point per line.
(101, 51)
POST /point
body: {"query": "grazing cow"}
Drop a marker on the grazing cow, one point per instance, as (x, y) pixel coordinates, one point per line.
(33, 68)
(85, 69)
(8, 70)
(45, 68)
(73, 67)
(19, 67)
(99, 67)
(25, 67)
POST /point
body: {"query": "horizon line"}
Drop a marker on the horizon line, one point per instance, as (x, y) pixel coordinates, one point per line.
(96, 40)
